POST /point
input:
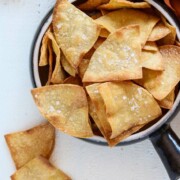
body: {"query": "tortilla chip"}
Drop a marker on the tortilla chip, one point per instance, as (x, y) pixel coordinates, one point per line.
(58, 74)
(152, 60)
(126, 106)
(118, 4)
(89, 54)
(99, 41)
(44, 50)
(91, 4)
(159, 31)
(104, 33)
(146, 21)
(150, 46)
(65, 107)
(83, 67)
(103, 12)
(67, 66)
(73, 80)
(161, 83)
(97, 108)
(50, 50)
(37, 169)
(118, 57)
(73, 37)
(168, 101)
(171, 37)
(26, 145)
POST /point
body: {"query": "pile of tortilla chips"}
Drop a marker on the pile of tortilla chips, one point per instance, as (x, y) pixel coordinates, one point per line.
(111, 69)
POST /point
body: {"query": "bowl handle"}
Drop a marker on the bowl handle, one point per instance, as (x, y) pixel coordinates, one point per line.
(167, 145)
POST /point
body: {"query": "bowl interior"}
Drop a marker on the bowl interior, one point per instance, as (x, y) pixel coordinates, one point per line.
(40, 75)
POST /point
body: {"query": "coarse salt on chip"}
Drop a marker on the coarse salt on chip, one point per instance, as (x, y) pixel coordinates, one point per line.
(158, 32)
(125, 17)
(117, 4)
(37, 169)
(161, 83)
(126, 106)
(65, 107)
(118, 57)
(26, 145)
(74, 31)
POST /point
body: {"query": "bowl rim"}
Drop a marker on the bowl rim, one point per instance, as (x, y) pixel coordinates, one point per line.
(166, 12)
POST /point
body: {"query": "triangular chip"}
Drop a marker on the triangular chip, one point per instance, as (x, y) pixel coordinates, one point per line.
(97, 111)
(65, 107)
(39, 169)
(161, 83)
(67, 66)
(44, 50)
(168, 101)
(150, 46)
(125, 17)
(26, 145)
(117, 4)
(158, 32)
(91, 4)
(104, 33)
(170, 38)
(95, 14)
(118, 57)
(74, 31)
(152, 60)
(126, 106)
(97, 108)
(58, 74)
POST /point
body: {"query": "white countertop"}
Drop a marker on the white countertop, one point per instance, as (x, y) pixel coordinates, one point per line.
(19, 20)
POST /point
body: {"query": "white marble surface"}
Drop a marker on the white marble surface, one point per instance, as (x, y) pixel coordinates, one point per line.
(19, 20)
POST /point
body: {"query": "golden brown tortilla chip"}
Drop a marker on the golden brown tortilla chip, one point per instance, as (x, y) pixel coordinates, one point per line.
(159, 31)
(118, 4)
(104, 33)
(126, 106)
(58, 74)
(95, 14)
(74, 31)
(150, 46)
(168, 101)
(50, 50)
(83, 67)
(118, 57)
(39, 169)
(161, 83)
(171, 37)
(65, 107)
(44, 50)
(26, 145)
(152, 60)
(91, 4)
(67, 66)
(125, 17)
